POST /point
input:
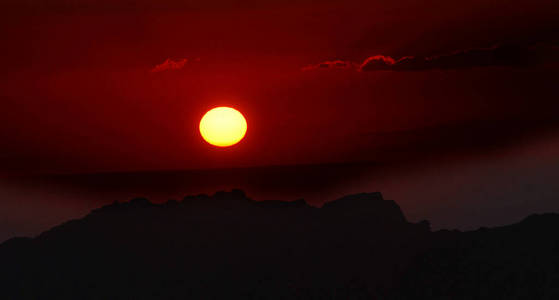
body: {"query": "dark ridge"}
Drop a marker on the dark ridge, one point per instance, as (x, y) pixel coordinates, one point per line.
(228, 246)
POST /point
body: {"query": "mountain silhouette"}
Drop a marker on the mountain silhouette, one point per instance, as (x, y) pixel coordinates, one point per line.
(229, 246)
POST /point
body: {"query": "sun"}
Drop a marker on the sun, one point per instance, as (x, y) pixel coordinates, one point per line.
(223, 126)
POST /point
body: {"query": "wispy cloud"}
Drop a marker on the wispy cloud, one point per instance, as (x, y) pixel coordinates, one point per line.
(497, 56)
(334, 64)
(170, 64)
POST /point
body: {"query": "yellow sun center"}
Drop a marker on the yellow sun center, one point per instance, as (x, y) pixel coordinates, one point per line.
(223, 126)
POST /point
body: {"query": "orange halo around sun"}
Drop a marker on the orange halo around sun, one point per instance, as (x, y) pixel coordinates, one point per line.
(223, 126)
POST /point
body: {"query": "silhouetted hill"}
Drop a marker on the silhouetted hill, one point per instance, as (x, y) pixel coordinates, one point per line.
(519, 261)
(228, 246)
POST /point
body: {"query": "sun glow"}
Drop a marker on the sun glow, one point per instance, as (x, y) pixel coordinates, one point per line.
(223, 126)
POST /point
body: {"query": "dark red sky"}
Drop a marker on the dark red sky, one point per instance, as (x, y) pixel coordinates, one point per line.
(77, 94)
(456, 106)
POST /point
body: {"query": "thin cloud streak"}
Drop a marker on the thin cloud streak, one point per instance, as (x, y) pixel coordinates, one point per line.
(170, 64)
(496, 56)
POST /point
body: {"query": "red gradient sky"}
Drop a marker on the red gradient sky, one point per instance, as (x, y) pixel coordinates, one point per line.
(467, 137)
(77, 93)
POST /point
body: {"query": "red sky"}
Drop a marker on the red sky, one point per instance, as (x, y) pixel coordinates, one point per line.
(456, 107)
(77, 94)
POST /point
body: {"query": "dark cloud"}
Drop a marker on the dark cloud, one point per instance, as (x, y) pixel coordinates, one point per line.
(498, 56)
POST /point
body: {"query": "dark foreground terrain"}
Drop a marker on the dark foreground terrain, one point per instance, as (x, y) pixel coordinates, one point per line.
(227, 246)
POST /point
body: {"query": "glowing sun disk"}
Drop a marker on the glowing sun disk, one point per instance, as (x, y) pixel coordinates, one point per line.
(223, 126)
